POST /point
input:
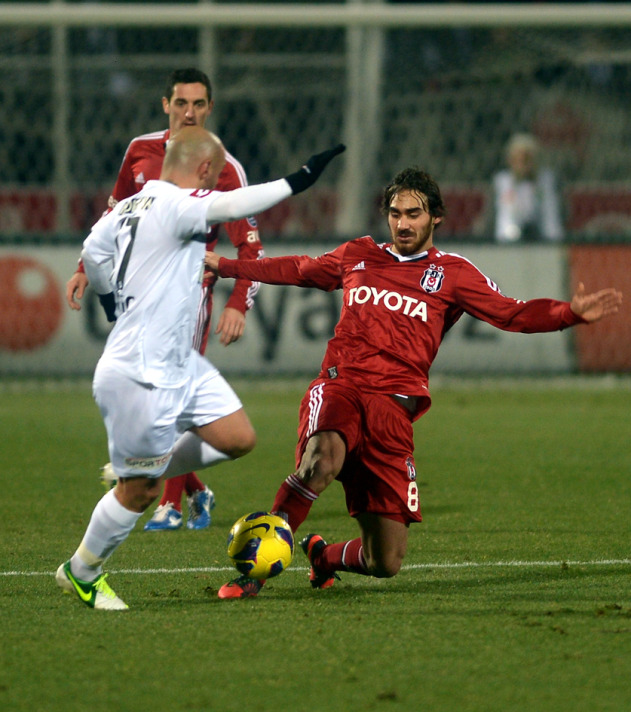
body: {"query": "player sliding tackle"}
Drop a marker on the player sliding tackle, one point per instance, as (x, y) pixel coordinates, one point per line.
(399, 300)
(145, 260)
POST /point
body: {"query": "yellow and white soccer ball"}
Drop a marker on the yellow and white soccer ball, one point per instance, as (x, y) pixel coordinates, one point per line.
(260, 545)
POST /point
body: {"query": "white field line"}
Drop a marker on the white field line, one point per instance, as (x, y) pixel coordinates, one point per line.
(407, 567)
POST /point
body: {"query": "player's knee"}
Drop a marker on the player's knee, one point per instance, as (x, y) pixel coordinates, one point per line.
(384, 567)
(138, 493)
(325, 466)
(318, 473)
(243, 443)
(322, 460)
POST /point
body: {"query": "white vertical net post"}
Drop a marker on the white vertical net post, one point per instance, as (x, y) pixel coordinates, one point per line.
(362, 123)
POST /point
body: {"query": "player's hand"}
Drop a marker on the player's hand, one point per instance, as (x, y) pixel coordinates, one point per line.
(311, 171)
(75, 288)
(211, 261)
(596, 305)
(230, 325)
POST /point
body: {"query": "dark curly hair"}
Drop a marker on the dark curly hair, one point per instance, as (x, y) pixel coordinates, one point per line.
(416, 181)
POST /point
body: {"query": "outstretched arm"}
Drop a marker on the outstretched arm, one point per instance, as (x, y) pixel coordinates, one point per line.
(254, 199)
(596, 305)
(480, 297)
(323, 272)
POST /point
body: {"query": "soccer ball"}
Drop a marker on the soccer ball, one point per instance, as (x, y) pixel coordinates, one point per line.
(260, 545)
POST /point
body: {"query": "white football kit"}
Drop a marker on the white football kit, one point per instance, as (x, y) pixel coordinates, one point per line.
(150, 384)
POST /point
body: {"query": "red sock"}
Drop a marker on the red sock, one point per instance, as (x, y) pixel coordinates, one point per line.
(173, 490)
(294, 500)
(344, 556)
(193, 483)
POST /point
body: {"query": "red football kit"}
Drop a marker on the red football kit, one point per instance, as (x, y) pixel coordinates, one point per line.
(374, 378)
(142, 162)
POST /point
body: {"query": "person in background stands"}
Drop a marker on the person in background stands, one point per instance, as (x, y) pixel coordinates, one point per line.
(527, 204)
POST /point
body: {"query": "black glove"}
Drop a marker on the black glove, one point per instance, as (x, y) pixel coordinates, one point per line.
(310, 172)
(109, 305)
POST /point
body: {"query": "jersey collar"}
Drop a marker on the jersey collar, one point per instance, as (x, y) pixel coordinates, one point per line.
(408, 258)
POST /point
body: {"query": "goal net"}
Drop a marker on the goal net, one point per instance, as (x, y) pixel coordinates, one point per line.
(445, 96)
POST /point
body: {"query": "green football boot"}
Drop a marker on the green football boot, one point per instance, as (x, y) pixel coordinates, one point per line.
(95, 594)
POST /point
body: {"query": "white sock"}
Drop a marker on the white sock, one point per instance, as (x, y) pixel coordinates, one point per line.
(109, 526)
(192, 453)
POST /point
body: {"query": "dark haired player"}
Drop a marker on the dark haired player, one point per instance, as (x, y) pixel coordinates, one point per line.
(399, 300)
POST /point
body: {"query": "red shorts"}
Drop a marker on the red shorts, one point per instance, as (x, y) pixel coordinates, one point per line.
(378, 475)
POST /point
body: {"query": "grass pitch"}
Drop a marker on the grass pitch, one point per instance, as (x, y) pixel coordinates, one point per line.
(515, 595)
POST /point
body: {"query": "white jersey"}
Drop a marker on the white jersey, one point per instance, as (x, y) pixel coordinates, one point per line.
(527, 207)
(150, 251)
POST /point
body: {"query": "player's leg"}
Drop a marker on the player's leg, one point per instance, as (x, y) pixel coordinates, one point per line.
(320, 464)
(192, 483)
(168, 514)
(139, 452)
(321, 453)
(227, 437)
(381, 493)
(378, 552)
(322, 460)
(173, 491)
(231, 434)
(113, 518)
(216, 426)
(384, 544)
(329, 427)
(200, 499)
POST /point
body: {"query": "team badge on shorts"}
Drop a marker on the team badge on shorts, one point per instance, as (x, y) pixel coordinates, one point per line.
(409, 463)
(432, 279)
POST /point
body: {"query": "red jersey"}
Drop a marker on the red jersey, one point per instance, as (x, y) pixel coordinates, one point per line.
(396, 310)
(143, 161)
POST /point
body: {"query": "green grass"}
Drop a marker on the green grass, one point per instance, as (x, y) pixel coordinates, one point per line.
(516, 591)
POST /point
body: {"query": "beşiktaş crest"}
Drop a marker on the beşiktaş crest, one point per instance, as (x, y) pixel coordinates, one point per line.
(409, 463)
(432, 279)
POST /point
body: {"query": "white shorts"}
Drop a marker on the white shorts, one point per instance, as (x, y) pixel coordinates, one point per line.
(143, 422)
